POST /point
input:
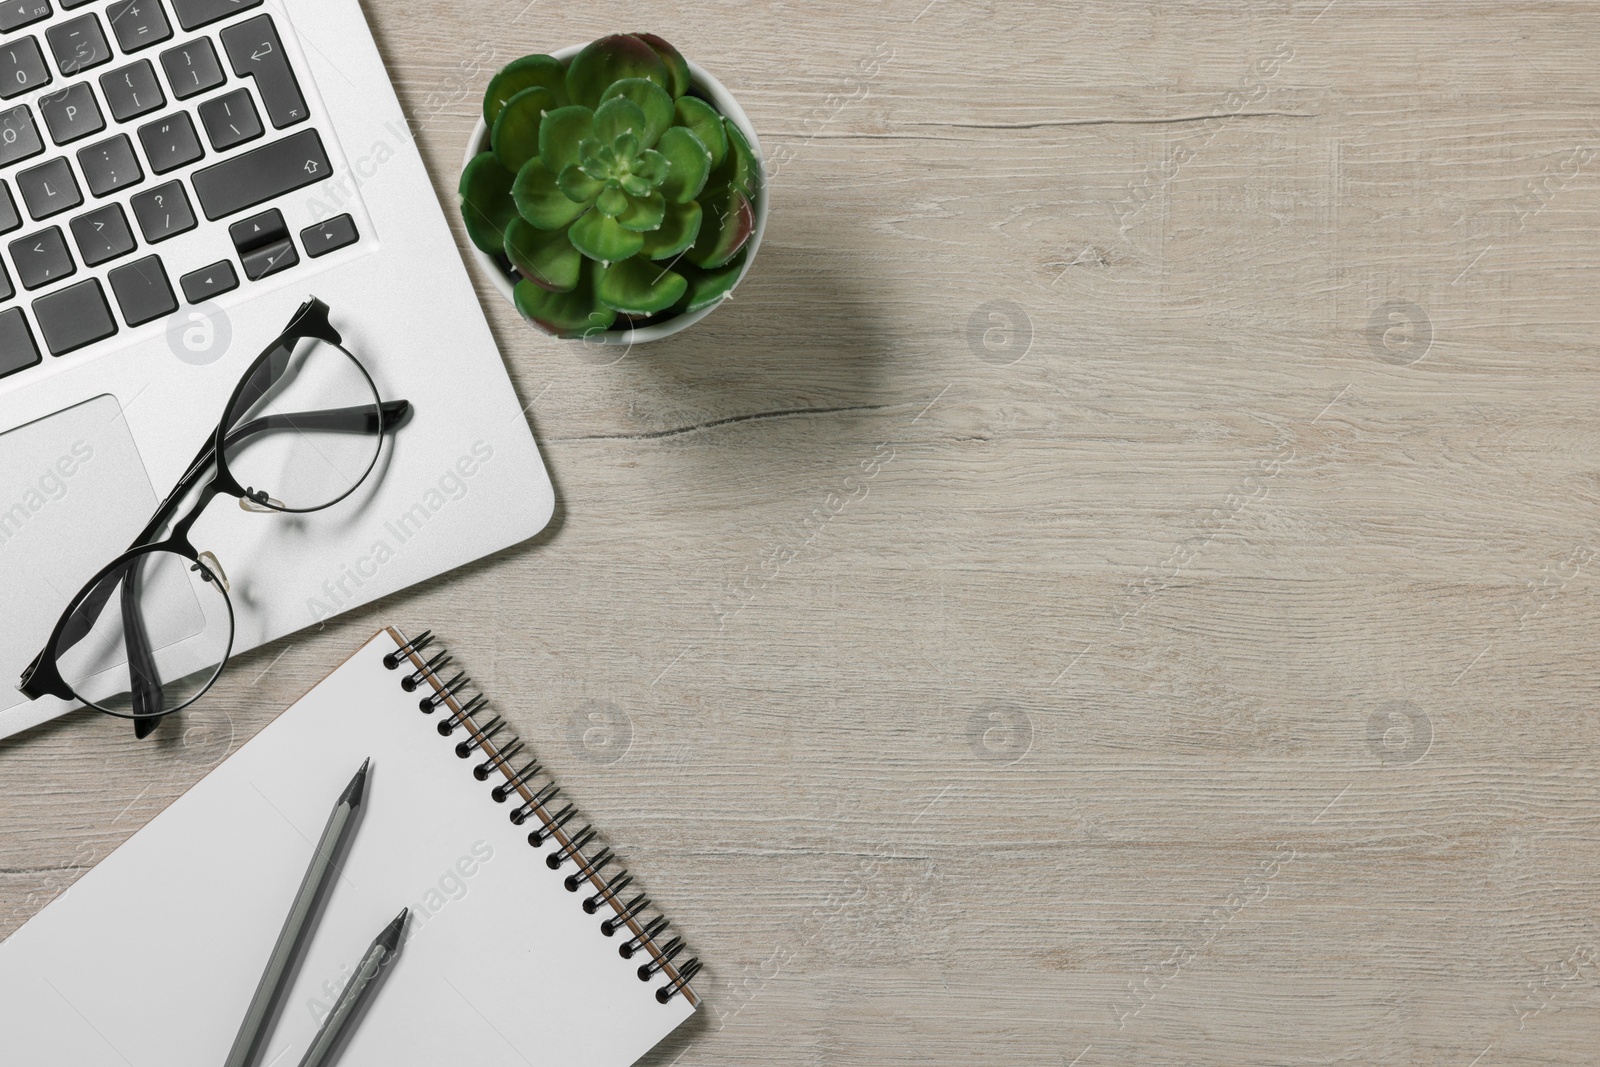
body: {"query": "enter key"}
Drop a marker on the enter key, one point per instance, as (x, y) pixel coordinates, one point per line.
(256, 51)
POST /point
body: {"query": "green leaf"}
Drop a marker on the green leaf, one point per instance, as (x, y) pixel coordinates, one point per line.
(561, 136)
(572, 314)
(652, 100)
(598, 163)
(679, 226)
(677, 66)
(515, 136)
(644, 212)
(520, 74)
(541, 201)
(639, 287)
(728, 223)
(689, 162)
(742, 169)
(602, 237)
(707, 287)
(616, 117)
(577, 185)
(609, 59)
(702, 118)
(634, 185)
(486, 204)
(652, 166)
(545, 257)
(612, 201)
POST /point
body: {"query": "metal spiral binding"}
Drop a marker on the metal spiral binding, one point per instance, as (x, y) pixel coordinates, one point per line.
(491, 735)
(448, 724)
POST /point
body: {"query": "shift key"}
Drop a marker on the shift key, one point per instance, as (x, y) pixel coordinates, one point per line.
(256, 176)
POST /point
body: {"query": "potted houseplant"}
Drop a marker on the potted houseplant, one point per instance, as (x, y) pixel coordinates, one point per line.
(613, 191)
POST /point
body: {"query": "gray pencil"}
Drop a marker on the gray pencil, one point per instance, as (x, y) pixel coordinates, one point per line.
(258, 1018)
(357, 992)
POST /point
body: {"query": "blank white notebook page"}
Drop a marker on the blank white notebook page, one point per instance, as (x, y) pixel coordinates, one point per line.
(151, 957)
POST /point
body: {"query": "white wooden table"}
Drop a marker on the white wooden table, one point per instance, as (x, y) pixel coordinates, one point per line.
(1117, 584)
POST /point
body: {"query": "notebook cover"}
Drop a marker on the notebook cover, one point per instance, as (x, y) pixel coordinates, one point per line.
(151, 957)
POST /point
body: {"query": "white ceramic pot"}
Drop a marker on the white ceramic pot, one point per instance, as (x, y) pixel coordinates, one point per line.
(727, 105)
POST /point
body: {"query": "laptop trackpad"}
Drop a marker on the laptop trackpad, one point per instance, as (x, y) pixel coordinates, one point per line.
(73, 495)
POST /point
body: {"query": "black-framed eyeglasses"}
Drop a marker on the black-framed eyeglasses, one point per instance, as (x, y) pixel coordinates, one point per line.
(152, 630)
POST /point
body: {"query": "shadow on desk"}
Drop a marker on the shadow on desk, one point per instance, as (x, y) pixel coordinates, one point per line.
(803, 335)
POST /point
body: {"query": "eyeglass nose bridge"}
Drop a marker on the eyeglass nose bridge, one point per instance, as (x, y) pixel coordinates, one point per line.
(208, 567)
(259, 503)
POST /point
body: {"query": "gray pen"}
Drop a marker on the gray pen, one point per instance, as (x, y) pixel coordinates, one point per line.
(258, 1018)
(357, 992)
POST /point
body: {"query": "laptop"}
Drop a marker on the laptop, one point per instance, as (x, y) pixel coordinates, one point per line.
(176, 178)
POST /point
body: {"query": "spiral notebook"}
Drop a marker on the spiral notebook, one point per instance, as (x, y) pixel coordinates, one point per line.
(528, 943)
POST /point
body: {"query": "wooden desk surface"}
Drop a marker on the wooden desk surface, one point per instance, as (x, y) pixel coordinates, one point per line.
(1115, 587)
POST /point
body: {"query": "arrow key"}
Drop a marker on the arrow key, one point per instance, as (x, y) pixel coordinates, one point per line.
(328, 236)
(258, 231)
(209, 282)
(275, 257)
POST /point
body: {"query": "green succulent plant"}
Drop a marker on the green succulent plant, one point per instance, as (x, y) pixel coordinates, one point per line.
(610, 186)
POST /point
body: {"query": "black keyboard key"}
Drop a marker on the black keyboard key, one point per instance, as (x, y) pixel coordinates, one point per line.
(17, 350)
(170, 142)
(138, 23)
(192, 68)
(256, 176)
(270, 260)
(230, 119)
(208, 282)
(263, 244)
(68, 5)
(71, 112)
(9, 218)
(78, 44)
(110, 165)
(102, 235)
(15, 14)
(76, 316)
(329, 236)
(49, 188)
(6, 291)
(257, 230)
(42, 258)
(192, 14)
(132, 91)
(254, 49)
(163, 212)
(19, 137)
(143, 292)
(22, 67)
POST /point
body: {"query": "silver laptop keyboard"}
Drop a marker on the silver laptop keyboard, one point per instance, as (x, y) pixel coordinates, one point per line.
(100, 85)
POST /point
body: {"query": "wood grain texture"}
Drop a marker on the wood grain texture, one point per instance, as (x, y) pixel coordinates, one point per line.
(1115, 587)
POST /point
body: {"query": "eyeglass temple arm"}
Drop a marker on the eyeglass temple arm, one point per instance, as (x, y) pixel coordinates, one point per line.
(359, 419)
(144, 686)
(82, 621)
